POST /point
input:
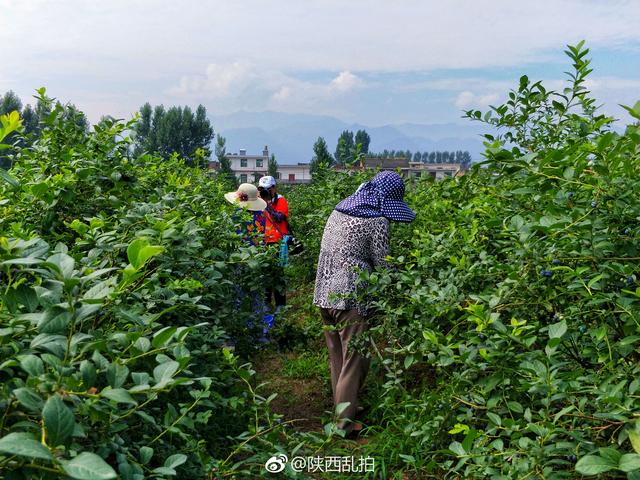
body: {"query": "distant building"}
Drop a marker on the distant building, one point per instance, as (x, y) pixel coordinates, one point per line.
(407, 168)
(436, 170)
(300, 173)
(249, 168)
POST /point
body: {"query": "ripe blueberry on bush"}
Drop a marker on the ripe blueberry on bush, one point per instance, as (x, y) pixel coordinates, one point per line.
(546, 273)
(630, 279)
(626, 231)
(570, 195)
(555, 261)
(481, 336)
(594, 204)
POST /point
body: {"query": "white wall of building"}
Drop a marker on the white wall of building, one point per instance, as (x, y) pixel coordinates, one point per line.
(250, 164)
(294, 173)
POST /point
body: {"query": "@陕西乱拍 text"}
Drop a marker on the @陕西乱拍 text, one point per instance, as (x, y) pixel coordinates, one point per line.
(347, 464)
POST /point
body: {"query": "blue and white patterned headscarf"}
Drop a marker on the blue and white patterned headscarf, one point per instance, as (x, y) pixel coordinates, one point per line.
(381, 197)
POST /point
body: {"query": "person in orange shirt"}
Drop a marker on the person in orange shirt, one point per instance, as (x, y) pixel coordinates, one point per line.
(276, 227)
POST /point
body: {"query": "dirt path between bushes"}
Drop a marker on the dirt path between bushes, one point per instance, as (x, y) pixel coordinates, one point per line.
(307, 400)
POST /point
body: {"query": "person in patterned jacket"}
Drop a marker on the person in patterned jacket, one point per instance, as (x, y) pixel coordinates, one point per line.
(356, 237)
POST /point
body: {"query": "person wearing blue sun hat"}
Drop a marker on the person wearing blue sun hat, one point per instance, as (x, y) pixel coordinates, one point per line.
(355, 238)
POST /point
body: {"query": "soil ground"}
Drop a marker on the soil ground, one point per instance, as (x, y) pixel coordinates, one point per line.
(306, 400)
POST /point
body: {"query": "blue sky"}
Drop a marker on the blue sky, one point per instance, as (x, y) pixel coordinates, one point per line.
(372, 62)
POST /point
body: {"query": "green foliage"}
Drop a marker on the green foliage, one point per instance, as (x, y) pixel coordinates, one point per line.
(458, 156)
(31, 122)
(122, 278)
(363, 138)
(536, 118)
(309, 207)
(509, 328)
(272, 166)
(9, 123)
(307, 365)
(516, 286)
(345, 148)
(322, 159)
(225, 171)
(10, 102)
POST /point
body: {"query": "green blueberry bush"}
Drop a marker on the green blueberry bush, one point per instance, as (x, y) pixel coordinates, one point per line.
(121, 281)
(507, 335)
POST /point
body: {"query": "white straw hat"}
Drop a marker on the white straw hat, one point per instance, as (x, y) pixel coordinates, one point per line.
(247, 197)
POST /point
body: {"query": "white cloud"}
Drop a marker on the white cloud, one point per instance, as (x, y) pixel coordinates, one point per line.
(254, 54)
(612, 83)
(303, 96)
(455, 84)
(467, 99)
(218, 81)
(464, 99)
(241, 84)
(488, 99)
(345, 81)
(282, 95)
(316, 34)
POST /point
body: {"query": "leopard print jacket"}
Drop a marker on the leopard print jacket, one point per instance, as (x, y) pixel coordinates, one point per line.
(348, 244)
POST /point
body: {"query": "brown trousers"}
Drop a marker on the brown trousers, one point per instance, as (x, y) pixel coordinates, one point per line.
(348, 368)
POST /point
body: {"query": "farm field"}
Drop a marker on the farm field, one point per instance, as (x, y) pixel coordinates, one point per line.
(505, 343)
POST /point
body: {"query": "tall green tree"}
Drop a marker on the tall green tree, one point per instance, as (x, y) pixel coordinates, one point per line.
(345, 148)
(10, 102)
(174, 130)
(272, 167)
(72, 114)
(30, 120)
(363, 138)
(225, 170)
(342, 154)
(143, 129)
(466, 159)
(322, 159)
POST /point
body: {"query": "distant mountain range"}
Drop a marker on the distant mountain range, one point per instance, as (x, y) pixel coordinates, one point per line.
(291, 136)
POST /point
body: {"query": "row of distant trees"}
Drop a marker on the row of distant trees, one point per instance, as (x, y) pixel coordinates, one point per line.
(457, 156)
(350, 146)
